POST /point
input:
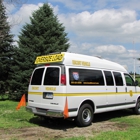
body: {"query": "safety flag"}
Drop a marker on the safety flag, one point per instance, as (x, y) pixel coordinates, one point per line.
(22, 102)
(66, 111)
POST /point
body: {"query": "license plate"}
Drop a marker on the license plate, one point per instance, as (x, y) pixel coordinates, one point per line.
(47, 95)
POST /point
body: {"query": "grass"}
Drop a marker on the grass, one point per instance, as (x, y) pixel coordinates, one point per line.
(3, 97)
(131, 133)
(129, 125)
(12, 118)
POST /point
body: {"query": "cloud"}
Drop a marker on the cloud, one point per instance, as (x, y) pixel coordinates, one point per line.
(9, 7)
(116, 25)
(110, 49)
(20, 17)
(26, 11)
(115, 53)
(98, 33)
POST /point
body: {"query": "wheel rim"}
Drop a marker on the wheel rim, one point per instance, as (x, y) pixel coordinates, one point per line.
(86, 115)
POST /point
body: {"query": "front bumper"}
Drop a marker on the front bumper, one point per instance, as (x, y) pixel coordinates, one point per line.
(45, 112)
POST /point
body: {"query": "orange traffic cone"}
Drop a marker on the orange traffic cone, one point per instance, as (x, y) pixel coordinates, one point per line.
(22, 102)
(66, 111)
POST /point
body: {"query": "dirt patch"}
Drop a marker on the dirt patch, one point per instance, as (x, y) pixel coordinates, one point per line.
(60, 128)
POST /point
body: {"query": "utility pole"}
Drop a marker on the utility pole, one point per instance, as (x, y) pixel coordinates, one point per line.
(134, 61)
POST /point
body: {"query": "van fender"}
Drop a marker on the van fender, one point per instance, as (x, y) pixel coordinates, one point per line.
(87, 101)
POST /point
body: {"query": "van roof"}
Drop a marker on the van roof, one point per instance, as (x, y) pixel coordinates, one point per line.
(79, 60)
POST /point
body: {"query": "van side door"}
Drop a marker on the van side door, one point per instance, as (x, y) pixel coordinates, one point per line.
(130, 89)
(111, 90)
(120, 89)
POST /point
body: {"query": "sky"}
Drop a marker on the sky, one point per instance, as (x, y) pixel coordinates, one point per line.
(106, 28)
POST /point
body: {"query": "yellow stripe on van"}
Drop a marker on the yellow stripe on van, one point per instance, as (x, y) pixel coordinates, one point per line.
(78, 94)
(83, 94)
(36, 93)
(91, 94)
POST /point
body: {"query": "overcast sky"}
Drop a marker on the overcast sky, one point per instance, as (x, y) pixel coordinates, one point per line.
(106, 28)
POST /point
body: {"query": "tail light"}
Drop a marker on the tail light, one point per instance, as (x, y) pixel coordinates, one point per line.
(63, 79)
(47, 64)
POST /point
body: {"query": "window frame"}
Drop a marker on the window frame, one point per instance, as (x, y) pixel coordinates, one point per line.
(130, 78)
(32, 77)
(115, 72)
(81, 83)
(111, 77)
(43, 81)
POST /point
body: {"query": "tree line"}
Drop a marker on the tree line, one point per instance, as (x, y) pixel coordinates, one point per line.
(43, 35)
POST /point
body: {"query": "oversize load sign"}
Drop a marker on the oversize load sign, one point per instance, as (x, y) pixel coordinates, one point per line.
(49, 58)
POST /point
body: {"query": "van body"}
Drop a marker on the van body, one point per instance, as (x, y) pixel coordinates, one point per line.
(78, 86)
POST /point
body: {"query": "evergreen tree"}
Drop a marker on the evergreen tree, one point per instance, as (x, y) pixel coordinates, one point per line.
(6, 49)
(43, 35)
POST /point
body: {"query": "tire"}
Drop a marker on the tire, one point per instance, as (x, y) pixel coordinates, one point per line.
(85, 115)
(137, 107)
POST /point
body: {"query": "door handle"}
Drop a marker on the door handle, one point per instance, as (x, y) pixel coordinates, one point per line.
(116, 90)
(125, 89)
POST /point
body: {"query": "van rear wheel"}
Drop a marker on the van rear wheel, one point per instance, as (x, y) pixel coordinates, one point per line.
(137, 107)
(85, 115)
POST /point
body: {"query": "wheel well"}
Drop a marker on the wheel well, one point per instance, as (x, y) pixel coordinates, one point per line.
(90, 103)
(139, 97)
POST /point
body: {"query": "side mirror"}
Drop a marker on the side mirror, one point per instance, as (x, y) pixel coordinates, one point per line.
(136, 83)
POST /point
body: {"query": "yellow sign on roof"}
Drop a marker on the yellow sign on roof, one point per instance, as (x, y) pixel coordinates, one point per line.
(49, 58)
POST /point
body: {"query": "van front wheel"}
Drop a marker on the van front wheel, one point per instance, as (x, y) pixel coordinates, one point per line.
(85, 115)
(137, 107)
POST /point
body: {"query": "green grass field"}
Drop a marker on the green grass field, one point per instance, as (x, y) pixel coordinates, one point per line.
(10, 118)
(131, 133)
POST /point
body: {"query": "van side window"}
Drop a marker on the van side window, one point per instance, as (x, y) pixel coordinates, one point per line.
(109, 78)
(86, 77)
(129, 81)
(37, 76)
(118, 78)
(51, 76)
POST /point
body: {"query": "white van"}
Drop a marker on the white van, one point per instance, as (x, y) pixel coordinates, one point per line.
(78, 86)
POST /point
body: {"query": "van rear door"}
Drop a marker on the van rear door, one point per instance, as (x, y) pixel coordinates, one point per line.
(45, 89)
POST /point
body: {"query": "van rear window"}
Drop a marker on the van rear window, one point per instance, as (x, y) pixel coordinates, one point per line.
(51, 76)
(37, 76)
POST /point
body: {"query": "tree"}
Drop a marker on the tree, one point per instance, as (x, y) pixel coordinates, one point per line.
(43, 35)
(6, 49)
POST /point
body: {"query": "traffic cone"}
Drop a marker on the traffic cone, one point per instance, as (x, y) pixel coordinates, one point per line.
(22, 102)
(66, 111)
